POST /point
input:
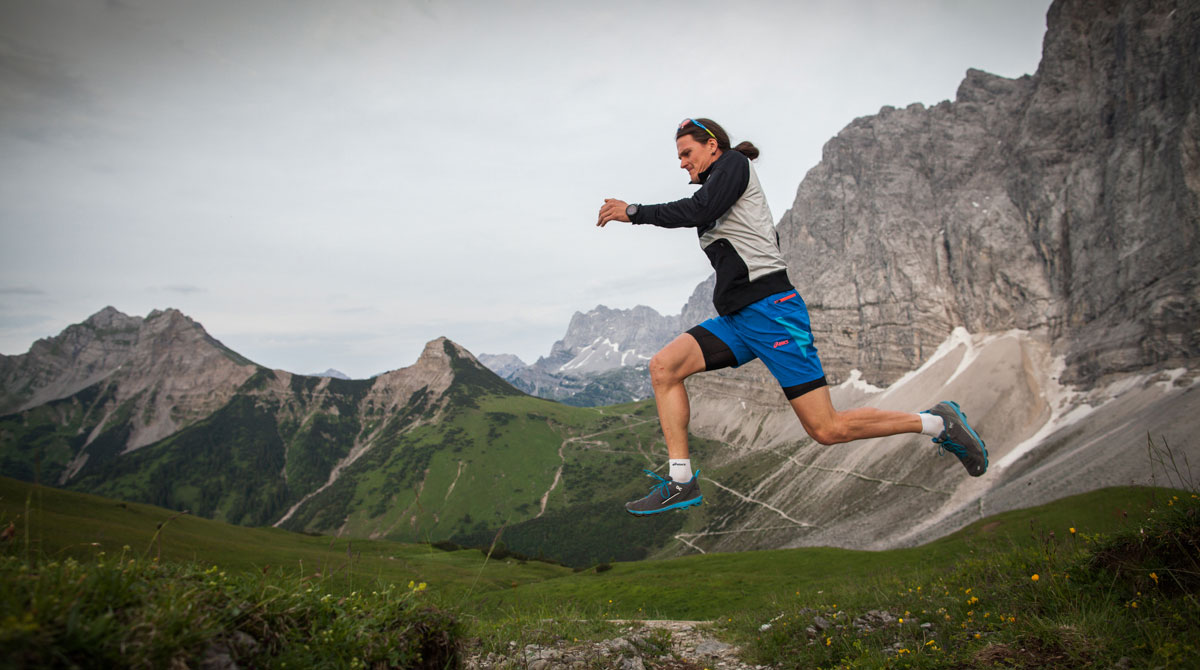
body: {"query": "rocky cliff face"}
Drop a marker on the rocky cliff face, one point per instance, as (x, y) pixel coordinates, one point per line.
(1066, 201)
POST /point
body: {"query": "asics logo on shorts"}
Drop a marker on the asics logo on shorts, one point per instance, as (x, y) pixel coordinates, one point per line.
(781, 343)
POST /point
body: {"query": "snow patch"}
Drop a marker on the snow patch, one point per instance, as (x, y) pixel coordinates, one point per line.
(1068, 406)
(1173, 376)
(857, 383)
(958, 337)
(602, 347)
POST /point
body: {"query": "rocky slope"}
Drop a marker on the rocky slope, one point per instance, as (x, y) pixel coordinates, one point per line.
(1046, 439)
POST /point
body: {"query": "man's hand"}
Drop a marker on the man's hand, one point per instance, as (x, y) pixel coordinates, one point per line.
(613, 210)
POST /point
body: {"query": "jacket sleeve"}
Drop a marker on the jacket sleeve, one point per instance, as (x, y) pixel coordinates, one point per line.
(724, 185)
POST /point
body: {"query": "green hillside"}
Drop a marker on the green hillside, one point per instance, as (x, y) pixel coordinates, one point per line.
(1084, 580)
(478, 460)
(60, 524)
(63, 523)
(746, 580)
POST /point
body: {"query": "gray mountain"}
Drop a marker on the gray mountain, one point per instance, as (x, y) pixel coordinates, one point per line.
(1064, 202)
(602, 358)
(174, 372)
(502, 364)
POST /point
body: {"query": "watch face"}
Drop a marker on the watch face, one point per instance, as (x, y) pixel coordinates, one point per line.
(631, 211)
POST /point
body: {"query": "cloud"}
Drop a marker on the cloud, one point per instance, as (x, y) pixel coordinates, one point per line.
(21, 290)
(180, 289)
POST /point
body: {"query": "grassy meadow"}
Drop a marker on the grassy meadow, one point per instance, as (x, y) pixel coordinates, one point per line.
(1105, 579)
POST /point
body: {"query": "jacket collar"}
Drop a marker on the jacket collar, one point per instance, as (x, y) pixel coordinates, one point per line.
(703, 176)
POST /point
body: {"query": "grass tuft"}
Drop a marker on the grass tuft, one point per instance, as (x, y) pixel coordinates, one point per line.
(1065, 599)
(125, 611)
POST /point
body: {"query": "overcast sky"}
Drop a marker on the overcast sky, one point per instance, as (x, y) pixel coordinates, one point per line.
(334, 184)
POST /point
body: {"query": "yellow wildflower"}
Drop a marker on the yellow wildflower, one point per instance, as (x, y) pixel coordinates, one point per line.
(1035, 578)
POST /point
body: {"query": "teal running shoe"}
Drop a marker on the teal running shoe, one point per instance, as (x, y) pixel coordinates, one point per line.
(959, 438)
(667, 495)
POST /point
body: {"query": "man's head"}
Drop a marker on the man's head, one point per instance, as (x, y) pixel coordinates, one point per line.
(699, 143)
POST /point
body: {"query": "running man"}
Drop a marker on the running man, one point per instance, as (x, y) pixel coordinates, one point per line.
(760, 315)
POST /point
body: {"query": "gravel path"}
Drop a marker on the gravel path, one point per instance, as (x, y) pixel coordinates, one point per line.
(641, 646)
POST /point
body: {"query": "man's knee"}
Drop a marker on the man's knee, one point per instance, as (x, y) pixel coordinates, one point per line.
(663, 371)
(828, 433)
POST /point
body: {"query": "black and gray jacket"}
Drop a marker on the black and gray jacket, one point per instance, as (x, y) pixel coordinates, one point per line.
(736, 231)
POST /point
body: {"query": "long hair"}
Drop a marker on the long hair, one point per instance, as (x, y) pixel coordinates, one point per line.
(701, 135)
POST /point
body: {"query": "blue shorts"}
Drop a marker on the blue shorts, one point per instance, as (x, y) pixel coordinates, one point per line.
(775, 329)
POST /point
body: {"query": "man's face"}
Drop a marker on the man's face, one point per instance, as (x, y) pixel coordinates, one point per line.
(694, 156)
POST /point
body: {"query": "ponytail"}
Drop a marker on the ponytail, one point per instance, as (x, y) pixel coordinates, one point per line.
(747, 149)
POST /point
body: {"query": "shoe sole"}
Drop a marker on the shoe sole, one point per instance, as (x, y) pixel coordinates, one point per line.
(679, 505)
(962, 418)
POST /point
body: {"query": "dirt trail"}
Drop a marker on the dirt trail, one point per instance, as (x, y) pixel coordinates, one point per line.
(580, 438)
(640, 644)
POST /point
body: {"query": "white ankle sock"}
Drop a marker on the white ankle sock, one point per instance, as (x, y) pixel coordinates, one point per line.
(681, 470)
(931, 424)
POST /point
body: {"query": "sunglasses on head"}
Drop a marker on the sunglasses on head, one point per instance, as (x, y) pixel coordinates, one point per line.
(683, 124)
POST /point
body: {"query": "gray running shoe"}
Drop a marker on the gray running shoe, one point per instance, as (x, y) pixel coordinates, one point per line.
(667, 495)
(959, 438)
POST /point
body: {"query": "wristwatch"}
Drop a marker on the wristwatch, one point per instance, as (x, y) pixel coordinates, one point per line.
(631, 211)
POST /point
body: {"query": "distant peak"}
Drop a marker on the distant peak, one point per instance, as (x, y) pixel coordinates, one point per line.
(107, 314)
(169, 312)
(443, 347)
(332, 373)
(110, 318)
